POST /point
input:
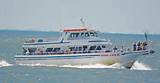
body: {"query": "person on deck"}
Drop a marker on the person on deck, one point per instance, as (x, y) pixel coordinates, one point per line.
(144, 45)
(134, 46)
(139, 46)
(115, 48)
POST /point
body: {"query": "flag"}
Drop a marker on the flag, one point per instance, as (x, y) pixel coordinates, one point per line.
(146, 37)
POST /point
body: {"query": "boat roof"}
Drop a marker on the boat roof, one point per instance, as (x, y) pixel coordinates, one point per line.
(74, 30)
(78, 29)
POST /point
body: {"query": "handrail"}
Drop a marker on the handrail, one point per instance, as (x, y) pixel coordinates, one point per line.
(51, 53)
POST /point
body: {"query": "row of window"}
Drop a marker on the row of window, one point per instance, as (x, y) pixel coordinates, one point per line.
(79, 48)
(83, 34)
(83, 48)
(32, 50)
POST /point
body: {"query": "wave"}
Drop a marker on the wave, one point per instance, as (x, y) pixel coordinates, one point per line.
(140, 66)
(116, 65)
(4, 63)
(137, 66)
(38, 64)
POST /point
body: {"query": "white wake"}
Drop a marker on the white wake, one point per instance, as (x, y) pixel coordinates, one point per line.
(116, 66)
(38, 64)
(4, 63)
(137, 66)
(140, 66)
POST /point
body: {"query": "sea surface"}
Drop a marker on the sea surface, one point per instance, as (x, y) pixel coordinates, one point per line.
(145, 70)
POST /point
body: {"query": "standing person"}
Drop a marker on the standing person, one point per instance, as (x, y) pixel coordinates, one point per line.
(115, 49)
(134, 46)
(144, 45)
(139, 46)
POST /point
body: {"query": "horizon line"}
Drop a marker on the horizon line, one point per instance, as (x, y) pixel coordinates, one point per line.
(60, 31)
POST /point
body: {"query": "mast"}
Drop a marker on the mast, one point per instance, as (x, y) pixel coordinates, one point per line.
(82, 21)
(146, 36)
(146, 40)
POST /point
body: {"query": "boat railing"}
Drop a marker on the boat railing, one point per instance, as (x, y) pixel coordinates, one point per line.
(34, 40)
(71, 52)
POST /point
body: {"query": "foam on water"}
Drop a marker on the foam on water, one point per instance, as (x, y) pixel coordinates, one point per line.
(137, 66)
(38, 64)
(140, 66)
(4, 63)
(116, 65)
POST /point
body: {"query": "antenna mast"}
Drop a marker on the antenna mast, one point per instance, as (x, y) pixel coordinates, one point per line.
(146, 36)
(82, 21)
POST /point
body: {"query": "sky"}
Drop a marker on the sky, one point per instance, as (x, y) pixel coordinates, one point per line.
(116, 16)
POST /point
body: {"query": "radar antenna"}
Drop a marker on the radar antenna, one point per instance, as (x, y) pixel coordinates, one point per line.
(82, 21)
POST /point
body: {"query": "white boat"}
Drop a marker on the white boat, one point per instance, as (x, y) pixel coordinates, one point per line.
(78, 46)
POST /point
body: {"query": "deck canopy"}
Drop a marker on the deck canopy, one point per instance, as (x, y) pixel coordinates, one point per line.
(75, 30)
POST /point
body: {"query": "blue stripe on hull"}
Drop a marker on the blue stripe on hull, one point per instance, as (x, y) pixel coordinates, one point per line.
(52, 57)
(127, 54)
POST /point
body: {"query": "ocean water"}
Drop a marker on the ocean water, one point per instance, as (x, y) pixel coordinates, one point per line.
(145, 70)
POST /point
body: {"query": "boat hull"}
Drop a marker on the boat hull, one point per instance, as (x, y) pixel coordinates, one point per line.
(126, 59)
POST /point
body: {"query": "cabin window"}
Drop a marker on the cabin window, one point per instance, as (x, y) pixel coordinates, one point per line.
(98, 48)
(40, 40)
(72, 48)
(84, 47)
(31, 50)
(92, 34)
(103, 46)
(78, 48)
(56, 49)
(92, 48)
(71, 35)
(86, 34)
(75, 48)
(49, 49)
(74, 35)
(24, 50)
(82, 34)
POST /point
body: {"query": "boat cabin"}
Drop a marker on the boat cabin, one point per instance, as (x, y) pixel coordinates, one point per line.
(79, 40)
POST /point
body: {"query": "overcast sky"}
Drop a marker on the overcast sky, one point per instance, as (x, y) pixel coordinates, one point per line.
(121, 16)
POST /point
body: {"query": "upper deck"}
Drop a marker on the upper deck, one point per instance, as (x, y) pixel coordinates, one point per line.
(81, 35)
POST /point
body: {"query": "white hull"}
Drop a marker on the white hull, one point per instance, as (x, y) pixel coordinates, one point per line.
(126, 59)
